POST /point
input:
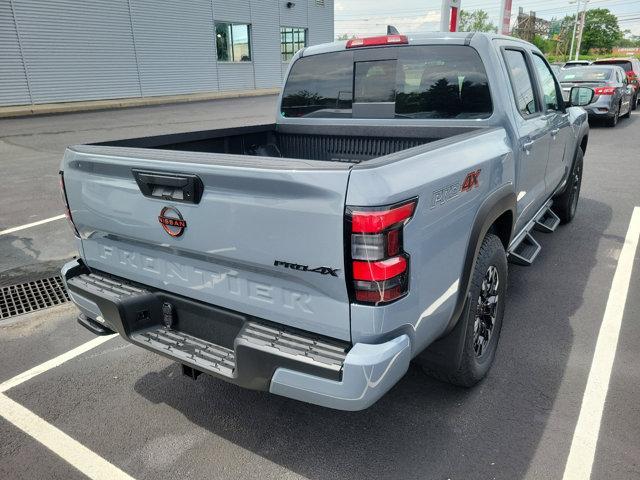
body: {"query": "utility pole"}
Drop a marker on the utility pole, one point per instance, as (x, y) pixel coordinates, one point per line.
(582, 20)
(575, 25)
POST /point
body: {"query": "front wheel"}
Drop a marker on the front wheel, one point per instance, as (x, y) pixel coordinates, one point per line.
(566, 204)
(481, 321)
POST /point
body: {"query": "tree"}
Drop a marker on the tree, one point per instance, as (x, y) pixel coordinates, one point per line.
(476, 21)
(546, 46)
(629, 40)
(601, 31)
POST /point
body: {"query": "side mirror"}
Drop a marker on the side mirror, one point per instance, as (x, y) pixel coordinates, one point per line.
(580, 96)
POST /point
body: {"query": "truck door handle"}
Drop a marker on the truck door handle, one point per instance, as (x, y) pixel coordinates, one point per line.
(527, 146)
(178, 187)
(554, 132)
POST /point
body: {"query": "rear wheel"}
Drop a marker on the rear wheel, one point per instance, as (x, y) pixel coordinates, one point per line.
(481, 321)
(634, 102)
(613, 121)
(628, 114)
(566, 204)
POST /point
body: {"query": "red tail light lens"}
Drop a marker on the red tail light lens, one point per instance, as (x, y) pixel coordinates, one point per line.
(379, 265)
(604, 90)
(379, 271)
(67, 212)
(376, 41)
(376, 221)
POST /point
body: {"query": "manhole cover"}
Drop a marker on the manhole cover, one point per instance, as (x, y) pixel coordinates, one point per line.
(31, 296)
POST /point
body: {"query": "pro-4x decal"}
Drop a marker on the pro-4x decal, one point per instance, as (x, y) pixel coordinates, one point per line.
(306, 268)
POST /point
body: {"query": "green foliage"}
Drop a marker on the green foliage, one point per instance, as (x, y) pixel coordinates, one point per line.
(476, 21)
(628, 40)
(544, 44)
(601, 31)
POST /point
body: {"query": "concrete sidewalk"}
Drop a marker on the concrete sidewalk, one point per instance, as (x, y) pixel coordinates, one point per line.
(90, 105)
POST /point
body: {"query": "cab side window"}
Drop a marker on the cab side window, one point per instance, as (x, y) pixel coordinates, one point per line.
(549, 89)
(521, 82)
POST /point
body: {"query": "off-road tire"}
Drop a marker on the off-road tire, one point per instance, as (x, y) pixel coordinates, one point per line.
(566, 204)
(473, 367)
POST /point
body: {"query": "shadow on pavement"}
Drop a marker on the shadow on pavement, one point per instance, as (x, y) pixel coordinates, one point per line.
(423, 428)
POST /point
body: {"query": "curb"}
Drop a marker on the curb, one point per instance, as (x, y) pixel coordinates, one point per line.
(85, 106)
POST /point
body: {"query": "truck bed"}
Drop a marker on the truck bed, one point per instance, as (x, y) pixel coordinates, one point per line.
(351, 144)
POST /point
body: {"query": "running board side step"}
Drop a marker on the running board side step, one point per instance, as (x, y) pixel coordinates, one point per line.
(547, 222)
(525, 251)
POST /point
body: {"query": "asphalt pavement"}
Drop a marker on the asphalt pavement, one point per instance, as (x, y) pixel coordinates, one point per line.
(137, 412)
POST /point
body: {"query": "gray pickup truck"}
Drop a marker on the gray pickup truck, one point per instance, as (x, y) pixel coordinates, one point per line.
(369, 227)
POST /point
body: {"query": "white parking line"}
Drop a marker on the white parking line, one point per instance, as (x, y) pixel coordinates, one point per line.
(29, 225)
(585, 436)
(73, 452)
(54, 362)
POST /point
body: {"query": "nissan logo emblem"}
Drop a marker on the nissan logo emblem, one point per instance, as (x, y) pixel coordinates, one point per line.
(172, 221)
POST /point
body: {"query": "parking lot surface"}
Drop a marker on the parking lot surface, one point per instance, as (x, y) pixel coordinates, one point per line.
(136, 413)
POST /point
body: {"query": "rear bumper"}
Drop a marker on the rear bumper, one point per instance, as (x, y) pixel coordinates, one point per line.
(240, 349)
(602, 107)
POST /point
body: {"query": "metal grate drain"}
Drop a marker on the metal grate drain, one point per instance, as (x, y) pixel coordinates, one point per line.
(31, 296)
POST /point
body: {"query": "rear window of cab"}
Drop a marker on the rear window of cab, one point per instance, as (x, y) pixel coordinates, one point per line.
(423, 82)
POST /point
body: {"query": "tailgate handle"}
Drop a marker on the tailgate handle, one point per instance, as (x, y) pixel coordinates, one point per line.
(177, 187)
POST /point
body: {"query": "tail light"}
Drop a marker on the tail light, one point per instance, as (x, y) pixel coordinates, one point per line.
(379, 264)
(377, 41)
(604, 90)
(67, 212)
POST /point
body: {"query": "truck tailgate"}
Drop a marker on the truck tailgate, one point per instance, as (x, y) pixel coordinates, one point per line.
(265, 239)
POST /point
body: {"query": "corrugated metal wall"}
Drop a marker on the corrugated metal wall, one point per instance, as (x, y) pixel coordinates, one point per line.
(175, 46)
(77, 51)
(68, 50)
(266, 53)
(14, 89)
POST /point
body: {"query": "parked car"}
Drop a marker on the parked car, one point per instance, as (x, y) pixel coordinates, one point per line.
(576, 63)
(370, 225)
(556, 68)
(632, 68)
(613, 94)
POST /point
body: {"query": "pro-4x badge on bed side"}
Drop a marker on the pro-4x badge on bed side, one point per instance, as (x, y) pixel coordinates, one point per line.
(444, 194)
(470, 181)
(172, 222)
(305, 268)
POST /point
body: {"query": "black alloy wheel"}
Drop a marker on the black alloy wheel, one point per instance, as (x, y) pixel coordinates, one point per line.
(486, 311)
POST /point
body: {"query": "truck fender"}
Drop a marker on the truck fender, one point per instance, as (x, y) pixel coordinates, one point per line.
(582, 143)
(446, 352)
(497, 203)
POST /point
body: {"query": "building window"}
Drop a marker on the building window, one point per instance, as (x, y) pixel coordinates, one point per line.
(233, 42)
(292, 39)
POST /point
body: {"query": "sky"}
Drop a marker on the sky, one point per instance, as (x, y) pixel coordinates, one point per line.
(370, 17)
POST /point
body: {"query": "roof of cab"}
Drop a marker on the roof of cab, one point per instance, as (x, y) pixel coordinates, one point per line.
(455, 38)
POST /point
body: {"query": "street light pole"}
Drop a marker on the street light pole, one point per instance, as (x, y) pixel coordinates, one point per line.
(575, 24)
